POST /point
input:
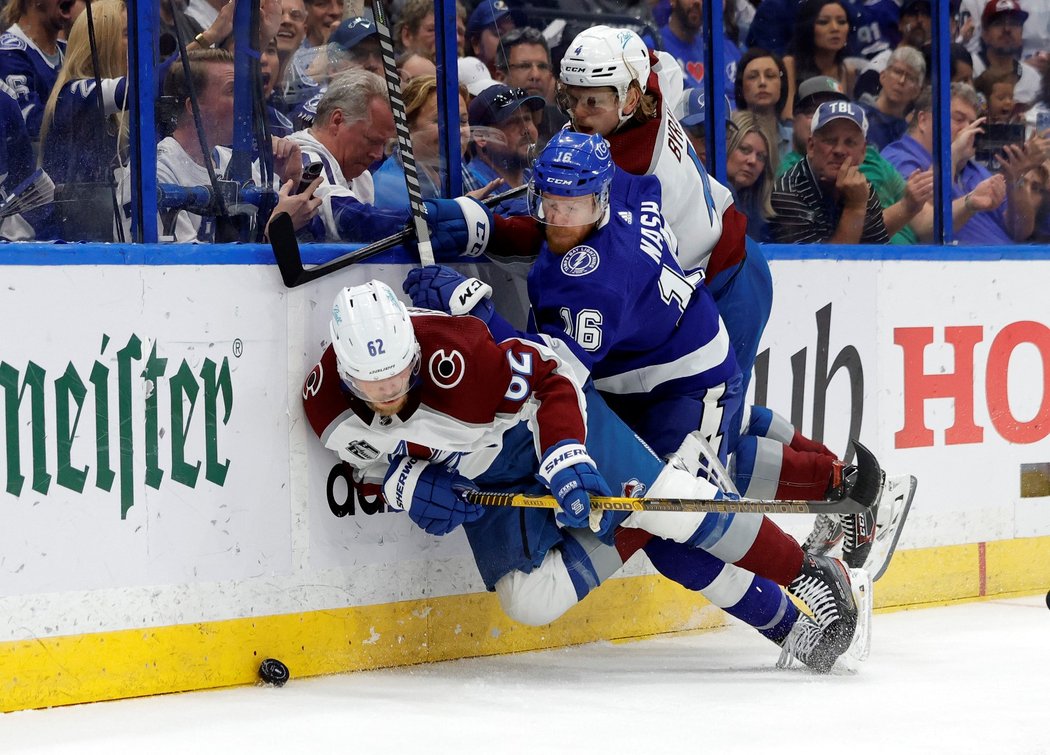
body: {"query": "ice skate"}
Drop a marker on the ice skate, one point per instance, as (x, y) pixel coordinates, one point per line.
(825, 588)
(810, 645)
(890, 515)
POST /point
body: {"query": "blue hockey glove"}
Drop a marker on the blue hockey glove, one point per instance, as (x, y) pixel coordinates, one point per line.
(443, 289)
(569, 472)
(432, 493)
(458, 227)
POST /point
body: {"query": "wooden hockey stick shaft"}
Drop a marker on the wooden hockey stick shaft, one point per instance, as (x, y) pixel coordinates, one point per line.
(743, 506)
(404, 136)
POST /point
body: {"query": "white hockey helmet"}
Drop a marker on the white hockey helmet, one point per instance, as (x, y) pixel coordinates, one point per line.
(372, 335)
(606, 57)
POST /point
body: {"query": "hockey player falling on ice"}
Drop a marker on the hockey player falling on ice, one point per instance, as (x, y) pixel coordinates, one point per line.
(611, 85)
(431, 405)
(608, 294)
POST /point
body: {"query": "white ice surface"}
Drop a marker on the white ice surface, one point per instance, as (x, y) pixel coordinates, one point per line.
(971, 678)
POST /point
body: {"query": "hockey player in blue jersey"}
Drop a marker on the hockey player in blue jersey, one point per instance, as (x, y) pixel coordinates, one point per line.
(614, 86)
(608, 284)
(31, 53)
(462, 410)
(607, 292)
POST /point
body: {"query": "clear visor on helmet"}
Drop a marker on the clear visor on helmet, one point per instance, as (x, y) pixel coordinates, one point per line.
(589, 99)
(388, 389)
(565, 211)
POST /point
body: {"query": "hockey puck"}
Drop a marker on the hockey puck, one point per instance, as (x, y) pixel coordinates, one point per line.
(1048, 598)
(272, 671)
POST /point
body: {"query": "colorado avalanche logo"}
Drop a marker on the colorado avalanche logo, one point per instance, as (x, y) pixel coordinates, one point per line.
(446, 369)
(313, 382)
(633, 488)
(580, 260)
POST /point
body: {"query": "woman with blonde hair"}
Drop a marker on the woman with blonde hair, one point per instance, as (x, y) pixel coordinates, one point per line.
(82, 144)
(751, 162)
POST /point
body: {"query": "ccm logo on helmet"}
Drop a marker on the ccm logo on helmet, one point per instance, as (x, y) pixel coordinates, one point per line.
(574, 69)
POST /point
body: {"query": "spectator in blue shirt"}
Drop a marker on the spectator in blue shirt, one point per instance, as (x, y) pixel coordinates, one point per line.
(902, 81)
(979, 213)
(683, 37)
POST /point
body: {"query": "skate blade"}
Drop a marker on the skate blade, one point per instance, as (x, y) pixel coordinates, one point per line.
(864, 597)
(897, 497)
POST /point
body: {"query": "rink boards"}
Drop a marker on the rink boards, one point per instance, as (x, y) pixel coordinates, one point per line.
(166, 509)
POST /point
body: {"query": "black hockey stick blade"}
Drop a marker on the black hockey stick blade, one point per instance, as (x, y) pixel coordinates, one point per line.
(290, 260)
(719, 505)
(868, 485)
(285, 247)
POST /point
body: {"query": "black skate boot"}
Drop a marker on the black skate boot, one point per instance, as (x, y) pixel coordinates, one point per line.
(825, 586)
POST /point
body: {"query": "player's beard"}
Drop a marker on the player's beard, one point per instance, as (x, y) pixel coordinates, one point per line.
(389, 408)
(561, 239)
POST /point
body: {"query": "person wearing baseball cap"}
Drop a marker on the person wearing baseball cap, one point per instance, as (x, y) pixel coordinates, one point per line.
(811, 94)
(355, 42)
(693, 118)
(900, 197)
(1002, 31)
(502, 139)
(916, 23)
(825, 198)
(474, 75)
(490, 20)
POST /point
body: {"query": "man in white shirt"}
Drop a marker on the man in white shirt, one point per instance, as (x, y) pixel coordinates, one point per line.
(181, 161)
(353, 125)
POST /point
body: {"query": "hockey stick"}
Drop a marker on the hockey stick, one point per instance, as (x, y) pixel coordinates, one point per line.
(865, 493)
(701, 505)
(290, 261)
(404, 137)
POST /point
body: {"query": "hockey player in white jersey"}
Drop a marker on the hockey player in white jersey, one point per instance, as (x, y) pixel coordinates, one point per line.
(435, 415)
(612, 85)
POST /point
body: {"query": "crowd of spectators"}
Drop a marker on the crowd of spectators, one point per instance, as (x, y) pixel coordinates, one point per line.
(829, 137)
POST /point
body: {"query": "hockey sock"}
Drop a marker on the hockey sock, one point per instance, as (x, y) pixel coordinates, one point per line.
(763, 422)
(752, 599)
(765, 469)
(801, 443)
(629, 541)
(750, 541)
(773, 554)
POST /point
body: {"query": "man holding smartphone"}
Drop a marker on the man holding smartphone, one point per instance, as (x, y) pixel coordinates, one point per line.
(979, 214)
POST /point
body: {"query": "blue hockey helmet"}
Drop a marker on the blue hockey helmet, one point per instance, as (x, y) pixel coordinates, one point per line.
(573, 166)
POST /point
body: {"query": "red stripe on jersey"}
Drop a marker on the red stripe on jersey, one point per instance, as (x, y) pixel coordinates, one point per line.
(419, 452)
(730, 249)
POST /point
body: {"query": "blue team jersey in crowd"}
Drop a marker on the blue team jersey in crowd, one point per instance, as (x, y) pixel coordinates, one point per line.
(81, 147)
(632, 317)
(16, 152)
(30, 73)
(877, 27)
(690, 57)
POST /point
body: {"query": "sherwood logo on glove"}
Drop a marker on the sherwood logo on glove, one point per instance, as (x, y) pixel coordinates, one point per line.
(132, 402)
(565, 457)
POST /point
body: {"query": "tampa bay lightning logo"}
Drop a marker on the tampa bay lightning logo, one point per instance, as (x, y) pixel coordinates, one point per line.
(580, 260)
